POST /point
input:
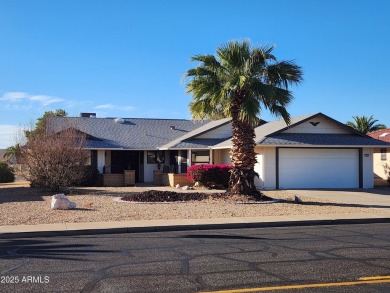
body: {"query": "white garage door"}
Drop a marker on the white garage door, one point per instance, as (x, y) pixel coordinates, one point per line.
(318, 168)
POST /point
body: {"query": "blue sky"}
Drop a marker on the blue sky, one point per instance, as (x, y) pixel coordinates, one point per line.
(127, 58)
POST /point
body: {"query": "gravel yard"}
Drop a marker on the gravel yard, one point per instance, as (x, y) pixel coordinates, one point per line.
(20, 204)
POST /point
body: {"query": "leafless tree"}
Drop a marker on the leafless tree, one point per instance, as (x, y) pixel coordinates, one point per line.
(55, 159)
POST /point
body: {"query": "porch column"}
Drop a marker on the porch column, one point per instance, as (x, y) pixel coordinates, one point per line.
(101, 160)
(189, 158)
(211, 156)
(179, 161)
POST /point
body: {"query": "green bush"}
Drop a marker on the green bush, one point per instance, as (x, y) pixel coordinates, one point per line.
(210, 175)
(6, 173)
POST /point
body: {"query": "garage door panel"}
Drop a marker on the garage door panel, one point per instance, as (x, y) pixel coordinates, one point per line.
(318, 168)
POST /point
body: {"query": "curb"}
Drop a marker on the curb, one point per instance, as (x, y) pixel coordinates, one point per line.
(189, 227)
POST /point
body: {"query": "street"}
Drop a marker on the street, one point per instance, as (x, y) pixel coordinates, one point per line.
(203, 261)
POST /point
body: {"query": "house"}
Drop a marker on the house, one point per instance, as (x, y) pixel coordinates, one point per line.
(314, 151)
(381, 157)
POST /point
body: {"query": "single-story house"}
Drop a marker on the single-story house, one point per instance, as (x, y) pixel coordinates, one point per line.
(381, 157)
(314, 151)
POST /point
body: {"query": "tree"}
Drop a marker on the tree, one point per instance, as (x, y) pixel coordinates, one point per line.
(40, 126)
(55, 160)
(6, 173)
(239, 82)
(365, 124)
(12, 151)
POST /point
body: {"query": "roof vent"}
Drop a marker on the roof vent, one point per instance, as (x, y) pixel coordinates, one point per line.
(88, 115)
(173, 127)
(119, 121)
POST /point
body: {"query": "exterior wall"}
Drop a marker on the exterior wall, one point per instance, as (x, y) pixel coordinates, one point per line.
(266, 166)
(324, 126)
(259, 168)
(368, 175)
(224, 131)
(379, 166)
(101, 160)
(108, 159)
(149, 168)
(171, 179)
(221, 156)
(113, 180)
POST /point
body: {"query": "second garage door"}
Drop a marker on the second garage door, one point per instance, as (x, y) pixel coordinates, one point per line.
(318, 168)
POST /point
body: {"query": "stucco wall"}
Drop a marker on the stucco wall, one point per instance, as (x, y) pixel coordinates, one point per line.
(267, 167)
(320, 125)
(379, 164)
(101, 160)
(221, 156)
(368, 176)
(224, 131)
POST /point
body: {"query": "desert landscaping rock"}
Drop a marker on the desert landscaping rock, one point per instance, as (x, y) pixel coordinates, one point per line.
(20, 204)
(61, 202)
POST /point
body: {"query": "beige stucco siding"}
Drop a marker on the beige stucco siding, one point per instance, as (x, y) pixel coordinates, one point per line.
(221, 156)
(318, 125)
(223, 131)
(367, 160)
(379, 164)
(266, 167)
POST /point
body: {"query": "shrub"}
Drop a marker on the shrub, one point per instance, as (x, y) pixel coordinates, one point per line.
(90, 177)
(6, 173)
(210, 175)
(55, 161)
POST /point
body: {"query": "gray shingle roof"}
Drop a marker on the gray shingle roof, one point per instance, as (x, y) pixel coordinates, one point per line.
(134, 133)
(197, 143)
(320, 139)
(271, 133)
(198, 131)
(266, 129)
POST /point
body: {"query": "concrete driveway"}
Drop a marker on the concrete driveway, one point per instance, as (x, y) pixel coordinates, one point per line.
(373, 198)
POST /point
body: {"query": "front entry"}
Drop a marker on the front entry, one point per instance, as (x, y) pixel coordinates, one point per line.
(128, 160)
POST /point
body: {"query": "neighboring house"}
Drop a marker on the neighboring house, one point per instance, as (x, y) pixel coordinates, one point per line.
(314, 151)
(381, 157)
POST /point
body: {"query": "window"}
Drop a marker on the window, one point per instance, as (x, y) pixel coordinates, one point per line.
(200, 157)
(155, 157)
(383, 154)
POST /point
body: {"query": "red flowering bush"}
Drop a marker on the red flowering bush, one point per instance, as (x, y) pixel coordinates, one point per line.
(210, 175)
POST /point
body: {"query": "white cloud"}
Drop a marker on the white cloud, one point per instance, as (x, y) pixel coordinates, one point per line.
(18, 97)
(46, 100)
(10, 135)
(115, 107)
(105, 106)
(14, 96)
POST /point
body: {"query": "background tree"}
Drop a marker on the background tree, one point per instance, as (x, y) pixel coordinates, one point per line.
(239, 82)
(6, 173)
(12, 151)
(40, 126)
(365, 124)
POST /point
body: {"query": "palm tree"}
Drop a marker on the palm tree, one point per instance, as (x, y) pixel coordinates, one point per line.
(365, 124)
(239, 82)
(12, 151)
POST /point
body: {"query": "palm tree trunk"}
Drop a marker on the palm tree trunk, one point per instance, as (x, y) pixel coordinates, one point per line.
(243, 154)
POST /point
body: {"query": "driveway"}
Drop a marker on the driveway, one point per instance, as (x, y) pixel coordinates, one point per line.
(373, 198)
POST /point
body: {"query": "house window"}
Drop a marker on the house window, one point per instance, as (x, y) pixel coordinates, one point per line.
(200, 157)
(383, 154)
(155, 157)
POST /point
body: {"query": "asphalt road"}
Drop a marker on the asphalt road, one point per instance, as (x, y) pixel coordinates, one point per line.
(199, 261)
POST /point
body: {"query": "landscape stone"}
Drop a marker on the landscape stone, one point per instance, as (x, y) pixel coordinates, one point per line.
(61, 202)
